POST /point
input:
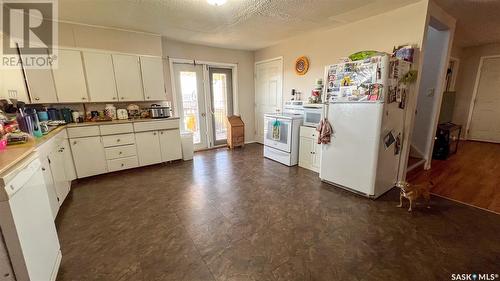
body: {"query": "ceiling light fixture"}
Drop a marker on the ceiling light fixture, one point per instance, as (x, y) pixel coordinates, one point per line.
(216, 2)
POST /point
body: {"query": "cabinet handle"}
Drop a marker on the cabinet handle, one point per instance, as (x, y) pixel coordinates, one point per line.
(122, 97)
(83, 98)
(161, 133)
(43, 168)
(154, 134)
(120, 152)
(74, 142)
(114, 98)
(147, 97)
(123, 164)
(117, 140)
(37, 98)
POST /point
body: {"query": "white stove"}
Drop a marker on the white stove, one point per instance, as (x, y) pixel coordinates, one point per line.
(281, 133)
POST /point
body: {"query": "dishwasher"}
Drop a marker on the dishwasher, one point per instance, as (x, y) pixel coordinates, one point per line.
(30, 247)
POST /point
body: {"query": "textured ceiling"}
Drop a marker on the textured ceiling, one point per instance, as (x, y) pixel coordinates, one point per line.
(478, 21)
(241, 24)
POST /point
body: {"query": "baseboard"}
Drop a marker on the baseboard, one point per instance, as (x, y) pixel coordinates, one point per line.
(414, 166)
(253, 141)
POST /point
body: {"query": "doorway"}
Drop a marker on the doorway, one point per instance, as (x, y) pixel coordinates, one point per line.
(204, 96)
(221, 102)
(484, 121)
(430, 94)
(268, 92)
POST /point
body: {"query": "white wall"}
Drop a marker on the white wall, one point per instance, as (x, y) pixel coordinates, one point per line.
(381, 32)
(435, 49)
(244, 60)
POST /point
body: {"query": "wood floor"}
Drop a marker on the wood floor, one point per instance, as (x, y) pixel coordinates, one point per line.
(234, 215)
(471, 176)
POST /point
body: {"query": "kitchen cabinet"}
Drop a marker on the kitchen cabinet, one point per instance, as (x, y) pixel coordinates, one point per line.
(153, 78)
(309, 149)
(100, 77)
(61, 184)
(148, 148)
(49, 183)
(13, 85)
(69, 166)
(41, 85)
(170, 145)
(128, 77)
(89, 156)
(69, 77)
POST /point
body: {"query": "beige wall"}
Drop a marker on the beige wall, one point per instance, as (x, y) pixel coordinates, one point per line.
(244, 60)
(382, 32)
(469, 63)
(90, 37)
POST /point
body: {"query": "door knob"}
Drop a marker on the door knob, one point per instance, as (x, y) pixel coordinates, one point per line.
(203, 114)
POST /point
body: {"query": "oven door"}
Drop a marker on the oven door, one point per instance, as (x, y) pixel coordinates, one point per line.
(312, 116)
(278, 133)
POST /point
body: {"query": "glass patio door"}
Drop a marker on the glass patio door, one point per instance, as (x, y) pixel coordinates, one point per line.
(191, 101)
(221, 103)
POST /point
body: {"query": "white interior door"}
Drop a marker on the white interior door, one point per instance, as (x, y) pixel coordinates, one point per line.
(190, 97)
(485, 120)
(268, 92)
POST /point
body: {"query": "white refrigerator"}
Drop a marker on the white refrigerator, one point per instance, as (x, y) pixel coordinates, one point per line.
(365, 106)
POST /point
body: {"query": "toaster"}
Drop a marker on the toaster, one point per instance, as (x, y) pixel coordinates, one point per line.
(157, 111)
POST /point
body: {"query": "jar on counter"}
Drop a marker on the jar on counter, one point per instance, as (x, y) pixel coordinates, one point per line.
(110, 111)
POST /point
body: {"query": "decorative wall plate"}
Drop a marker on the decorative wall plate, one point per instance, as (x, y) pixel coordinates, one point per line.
(301, 65)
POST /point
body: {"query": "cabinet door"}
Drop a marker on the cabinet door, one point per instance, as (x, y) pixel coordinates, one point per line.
(316, 156)
(100, 76)
(13, 85)
(306, 147)
(128, 77)
(41, 85)
(148, 148)
(49, 183)
(69, 165)
(61, 184)
(89, 157)
(69, 77)
(152, 78)
(170, 145)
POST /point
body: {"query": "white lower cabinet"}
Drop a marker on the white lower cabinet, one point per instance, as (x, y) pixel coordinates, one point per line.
(148, 148)
(170, 145)
(89, 156)
(123, 163)
(49, 183)
(309, 149)
(61, 184)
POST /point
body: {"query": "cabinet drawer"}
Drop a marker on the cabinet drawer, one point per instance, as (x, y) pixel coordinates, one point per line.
(156, 125)
(120, 151)
(122, 163)
(308, 132)
(83, 131)
(116, 129)
(116, 140)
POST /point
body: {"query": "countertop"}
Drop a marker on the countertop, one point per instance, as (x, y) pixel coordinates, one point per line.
(13, 154)
(71, 125)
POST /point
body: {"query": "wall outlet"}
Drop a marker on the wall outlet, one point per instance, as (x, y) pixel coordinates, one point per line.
(12, 94)
(430, 92)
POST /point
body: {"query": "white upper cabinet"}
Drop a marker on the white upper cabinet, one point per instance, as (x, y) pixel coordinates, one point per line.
(12, 84)
(41, 85)
(152, 77)
(69, 77)
(100, 77)
(128, 77)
